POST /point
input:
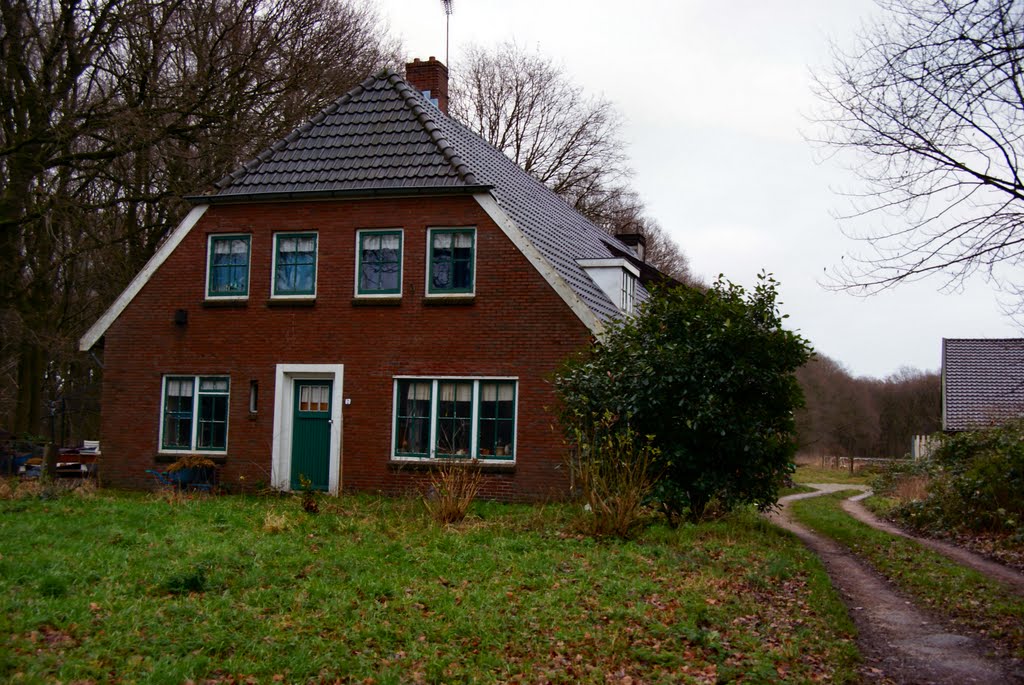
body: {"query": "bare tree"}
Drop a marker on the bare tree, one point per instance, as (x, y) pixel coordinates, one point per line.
(524, 104)
(112, 111)
(865, 417)
(931, 101)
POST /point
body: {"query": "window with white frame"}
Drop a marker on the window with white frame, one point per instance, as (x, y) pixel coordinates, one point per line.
(294, 265)
(616, 277)
(452, 261)
(194, 414)
(455, 418)
(227, 274)
(379, 268)
(628, 300)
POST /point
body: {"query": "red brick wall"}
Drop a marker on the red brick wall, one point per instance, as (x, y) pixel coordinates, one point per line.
(516, 326)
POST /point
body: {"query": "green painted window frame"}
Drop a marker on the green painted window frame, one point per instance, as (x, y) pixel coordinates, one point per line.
(212, 267)
(432, 418)
(434, 260)
(407, 414)
(453, 425)
(360, 263)
(279, 266)
(206, 414)
(496, 448)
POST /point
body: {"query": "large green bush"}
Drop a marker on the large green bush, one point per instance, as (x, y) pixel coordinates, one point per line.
(709, 374)
(976, 483)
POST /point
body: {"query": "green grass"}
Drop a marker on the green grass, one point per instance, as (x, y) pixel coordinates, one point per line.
(795, 490)
(812, 473)
(126, 587)
(965, 596)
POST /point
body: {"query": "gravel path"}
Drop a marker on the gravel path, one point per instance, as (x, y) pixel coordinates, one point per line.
(900, 642)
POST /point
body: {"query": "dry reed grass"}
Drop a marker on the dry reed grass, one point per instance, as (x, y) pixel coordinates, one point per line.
(453, 487)
(614, 473)
(276, 523)
(911, 488)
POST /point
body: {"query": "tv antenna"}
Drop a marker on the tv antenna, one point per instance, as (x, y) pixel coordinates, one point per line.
(447, 22)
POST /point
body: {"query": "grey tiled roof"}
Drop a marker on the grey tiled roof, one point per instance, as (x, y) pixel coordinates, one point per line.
(378, 136)
(385, 137)
(983, 381)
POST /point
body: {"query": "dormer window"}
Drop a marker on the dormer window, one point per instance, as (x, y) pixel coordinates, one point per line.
(628, 301)
(616, 277)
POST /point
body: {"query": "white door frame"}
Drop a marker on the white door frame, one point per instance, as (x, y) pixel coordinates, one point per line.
(284, 400)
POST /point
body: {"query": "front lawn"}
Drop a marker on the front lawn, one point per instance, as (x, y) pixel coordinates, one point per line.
(129, 587)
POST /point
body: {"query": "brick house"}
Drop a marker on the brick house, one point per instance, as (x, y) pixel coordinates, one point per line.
(379, 290)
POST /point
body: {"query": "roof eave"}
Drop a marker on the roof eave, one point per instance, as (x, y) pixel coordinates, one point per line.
(511, 229)
(346, 194)
(98, 329)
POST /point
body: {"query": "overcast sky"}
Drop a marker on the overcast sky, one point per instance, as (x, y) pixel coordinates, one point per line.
(716, 98)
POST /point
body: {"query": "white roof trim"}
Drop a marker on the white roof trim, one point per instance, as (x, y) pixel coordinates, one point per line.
(611, 262)
(97, 330)
(543, 266)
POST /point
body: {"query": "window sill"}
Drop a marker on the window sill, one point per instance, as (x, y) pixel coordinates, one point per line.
(448, 300)
(165, 458)
(226, 303)
(291, 301)
(388, 301)
(435, 464)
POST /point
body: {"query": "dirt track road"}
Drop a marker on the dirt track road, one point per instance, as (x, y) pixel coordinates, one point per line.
(901, 643)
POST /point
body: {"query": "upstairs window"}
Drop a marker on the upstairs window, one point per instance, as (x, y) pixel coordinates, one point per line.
(195, 413)
(228, 266)
(295, 264)
(379, 267)
(452, 261)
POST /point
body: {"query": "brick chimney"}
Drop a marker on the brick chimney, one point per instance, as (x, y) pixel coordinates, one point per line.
(430, 78)
(637, 242)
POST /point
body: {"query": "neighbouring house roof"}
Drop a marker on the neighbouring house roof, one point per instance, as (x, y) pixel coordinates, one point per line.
(982, 382)
(384, 138)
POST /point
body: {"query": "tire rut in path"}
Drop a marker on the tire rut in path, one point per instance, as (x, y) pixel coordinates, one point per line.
(1008, 576)
(899, 642)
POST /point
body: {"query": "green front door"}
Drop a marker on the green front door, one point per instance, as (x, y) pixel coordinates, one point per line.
(311, 435)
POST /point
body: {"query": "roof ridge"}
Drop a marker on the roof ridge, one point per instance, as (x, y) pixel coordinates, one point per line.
(415, 101)
(276, 146)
